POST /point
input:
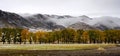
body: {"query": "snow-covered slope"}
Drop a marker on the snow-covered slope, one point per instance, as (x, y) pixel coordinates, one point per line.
(8, 19)
(105, 22)
(70, 20)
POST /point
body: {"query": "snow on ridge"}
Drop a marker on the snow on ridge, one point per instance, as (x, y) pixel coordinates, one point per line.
(108, 21)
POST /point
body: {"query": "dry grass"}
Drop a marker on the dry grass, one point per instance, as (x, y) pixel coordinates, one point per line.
(54, 46)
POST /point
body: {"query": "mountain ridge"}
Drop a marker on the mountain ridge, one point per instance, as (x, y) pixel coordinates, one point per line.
(45, 21)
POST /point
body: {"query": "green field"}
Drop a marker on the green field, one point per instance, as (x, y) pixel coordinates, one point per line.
(54, 46)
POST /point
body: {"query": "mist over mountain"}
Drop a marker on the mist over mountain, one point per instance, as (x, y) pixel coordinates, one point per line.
(14, 20)
(45, 21)
(106, 22)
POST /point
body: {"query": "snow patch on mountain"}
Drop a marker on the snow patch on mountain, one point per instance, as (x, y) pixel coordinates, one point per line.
(71, 20)
(107, 21)
(66, 20)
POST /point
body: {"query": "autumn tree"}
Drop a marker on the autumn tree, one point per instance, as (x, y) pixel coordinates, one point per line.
(118, 36)
(30, 37)
(110, 36)
(0, 34)
(49, 37)
(57, 36)
(85, 37)
(8, 38)
(79, 36)
(40, 36)
(3, 35)
(24, 35)
(102, 36)
(68, 35)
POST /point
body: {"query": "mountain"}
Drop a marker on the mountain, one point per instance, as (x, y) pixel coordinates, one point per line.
(42, 21)
(106, 22)
(66, 21)
(82, 25)
(69, 20)
(102, 23)
(8, 19)
(13, 20)
(51, 22)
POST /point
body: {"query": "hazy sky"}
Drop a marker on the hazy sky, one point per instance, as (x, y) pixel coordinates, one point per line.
(91, 8)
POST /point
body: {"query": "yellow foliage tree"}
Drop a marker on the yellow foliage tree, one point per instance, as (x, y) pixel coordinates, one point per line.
(24, 35)
(40, 36)
(85, 37)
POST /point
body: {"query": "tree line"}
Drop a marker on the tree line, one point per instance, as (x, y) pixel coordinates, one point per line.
(65, 36)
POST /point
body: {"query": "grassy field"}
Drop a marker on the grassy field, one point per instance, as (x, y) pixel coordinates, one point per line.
(59, 50)
(54, 46)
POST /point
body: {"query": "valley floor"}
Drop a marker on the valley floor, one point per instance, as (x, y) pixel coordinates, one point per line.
(59, 50)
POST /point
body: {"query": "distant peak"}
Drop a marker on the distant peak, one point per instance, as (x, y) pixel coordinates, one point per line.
(84, 16)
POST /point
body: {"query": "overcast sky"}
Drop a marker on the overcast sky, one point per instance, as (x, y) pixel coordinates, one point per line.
(91, 8)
